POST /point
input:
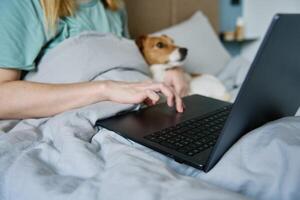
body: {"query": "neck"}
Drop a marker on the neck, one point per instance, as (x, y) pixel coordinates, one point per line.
(175, 64)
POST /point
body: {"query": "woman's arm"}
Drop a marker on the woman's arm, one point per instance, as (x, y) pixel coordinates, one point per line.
(22, 99)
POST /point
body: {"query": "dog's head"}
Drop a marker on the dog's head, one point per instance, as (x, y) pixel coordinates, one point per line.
(161, 50)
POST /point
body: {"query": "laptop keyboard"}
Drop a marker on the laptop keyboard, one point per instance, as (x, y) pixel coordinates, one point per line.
(192, 136)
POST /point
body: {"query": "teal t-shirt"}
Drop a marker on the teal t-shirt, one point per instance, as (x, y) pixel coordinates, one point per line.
(23, 37)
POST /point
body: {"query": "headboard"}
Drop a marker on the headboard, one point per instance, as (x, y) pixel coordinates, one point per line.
(148, 16)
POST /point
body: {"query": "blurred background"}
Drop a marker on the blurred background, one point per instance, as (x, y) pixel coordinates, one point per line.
(256, 16)
(225, 16)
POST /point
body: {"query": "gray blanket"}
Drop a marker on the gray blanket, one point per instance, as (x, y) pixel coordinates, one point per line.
(64, 157)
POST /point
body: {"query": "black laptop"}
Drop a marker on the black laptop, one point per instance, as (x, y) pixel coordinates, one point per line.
(208, 127)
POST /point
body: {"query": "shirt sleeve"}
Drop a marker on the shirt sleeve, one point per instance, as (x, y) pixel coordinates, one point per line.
(125, 21)
(22, 33)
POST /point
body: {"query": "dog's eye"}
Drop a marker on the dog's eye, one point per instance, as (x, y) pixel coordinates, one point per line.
(160, 45)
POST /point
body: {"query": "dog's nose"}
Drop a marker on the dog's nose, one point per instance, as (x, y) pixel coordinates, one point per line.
(183, 52)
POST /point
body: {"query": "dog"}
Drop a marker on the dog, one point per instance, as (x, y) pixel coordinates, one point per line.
(162, 54)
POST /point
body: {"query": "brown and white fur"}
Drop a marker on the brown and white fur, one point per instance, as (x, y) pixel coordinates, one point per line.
(162, 54)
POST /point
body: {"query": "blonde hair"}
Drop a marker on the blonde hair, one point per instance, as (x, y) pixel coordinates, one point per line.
(56, 9)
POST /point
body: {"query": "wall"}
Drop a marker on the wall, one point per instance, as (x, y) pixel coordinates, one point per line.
(229, 12)
(148, 16)
(258, 15)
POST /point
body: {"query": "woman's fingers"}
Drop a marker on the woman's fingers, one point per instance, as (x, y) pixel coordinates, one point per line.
(170, 94)
(178, 101)
(159, 87)
(181, 89)
(153, 96)
(179, 104)
(183, 92)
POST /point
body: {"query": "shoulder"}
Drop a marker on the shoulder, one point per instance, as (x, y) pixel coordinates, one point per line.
(122, 6)
(22, 33)
(122, 9)
(17, 8)
(21, 14)
(9, 4)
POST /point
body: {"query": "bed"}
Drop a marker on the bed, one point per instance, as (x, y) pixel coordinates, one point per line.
(65, 157)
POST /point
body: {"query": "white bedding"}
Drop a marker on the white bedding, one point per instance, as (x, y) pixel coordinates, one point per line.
(233, 74)
(64, 157)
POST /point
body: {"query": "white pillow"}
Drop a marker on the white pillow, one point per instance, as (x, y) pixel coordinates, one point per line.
(206, 52)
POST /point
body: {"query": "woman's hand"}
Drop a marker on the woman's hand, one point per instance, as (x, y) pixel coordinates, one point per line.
(176, 79)
(146, 92)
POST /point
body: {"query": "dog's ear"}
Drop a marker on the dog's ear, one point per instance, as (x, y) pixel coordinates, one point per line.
(140, 42)
(168, 38)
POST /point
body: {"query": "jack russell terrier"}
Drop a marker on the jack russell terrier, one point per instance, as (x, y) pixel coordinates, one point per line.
(162, 54)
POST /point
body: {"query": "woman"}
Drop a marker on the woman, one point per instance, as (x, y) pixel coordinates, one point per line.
(30, 28)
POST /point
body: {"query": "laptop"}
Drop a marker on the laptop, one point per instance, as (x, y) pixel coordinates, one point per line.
(201, 135)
